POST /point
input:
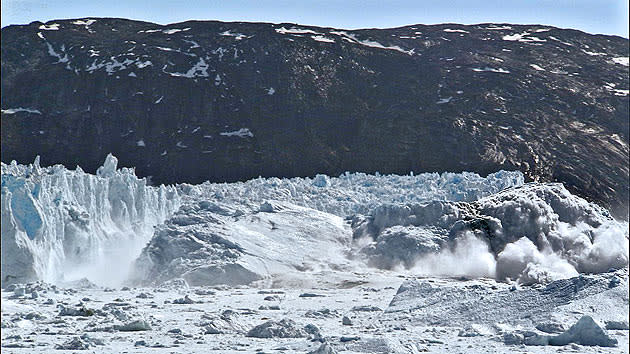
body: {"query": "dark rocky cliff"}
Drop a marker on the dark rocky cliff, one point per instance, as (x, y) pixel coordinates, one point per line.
(198, 101)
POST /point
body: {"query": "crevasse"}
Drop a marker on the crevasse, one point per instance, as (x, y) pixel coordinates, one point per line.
(62, 225)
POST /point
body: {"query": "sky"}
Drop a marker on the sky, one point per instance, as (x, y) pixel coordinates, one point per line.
(593, 16)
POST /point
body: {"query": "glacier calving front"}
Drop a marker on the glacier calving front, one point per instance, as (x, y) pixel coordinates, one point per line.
(60, 225)
(63, 225)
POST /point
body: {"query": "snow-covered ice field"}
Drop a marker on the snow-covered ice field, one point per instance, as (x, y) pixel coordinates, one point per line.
(471, 316)
(452, 263)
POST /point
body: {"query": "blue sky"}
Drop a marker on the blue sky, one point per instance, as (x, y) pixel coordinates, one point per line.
(593, 16)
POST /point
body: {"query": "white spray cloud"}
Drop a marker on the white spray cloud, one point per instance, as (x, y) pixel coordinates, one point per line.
(608, 249)
(584, 250)
(469, 256)
(537, 233)
(522, 261)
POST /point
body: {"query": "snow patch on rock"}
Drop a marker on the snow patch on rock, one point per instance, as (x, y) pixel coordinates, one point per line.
(20, 109)
(241, 133)
(621, 60)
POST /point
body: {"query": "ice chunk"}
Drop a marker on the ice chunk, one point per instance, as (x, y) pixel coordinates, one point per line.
(584, 332)
(134, 326)
(512, 338)
(617, 325)
(269, 207)
(325, 348)
(550, 327)
(75, 343)
(321, 181)
(109, 166)
(284, 328)
(402, 245)
(229, 274)
(470, 331)
(206, 245)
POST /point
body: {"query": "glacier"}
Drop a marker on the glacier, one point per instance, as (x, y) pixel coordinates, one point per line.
(294, 232)
(113, 228)
(63, 225)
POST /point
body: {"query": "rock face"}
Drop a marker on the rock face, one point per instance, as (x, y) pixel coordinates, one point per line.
(198, 101)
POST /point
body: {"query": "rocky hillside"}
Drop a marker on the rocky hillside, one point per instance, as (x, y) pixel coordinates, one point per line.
(197, 101)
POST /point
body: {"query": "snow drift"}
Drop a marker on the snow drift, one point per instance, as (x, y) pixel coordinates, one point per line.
(63, 225)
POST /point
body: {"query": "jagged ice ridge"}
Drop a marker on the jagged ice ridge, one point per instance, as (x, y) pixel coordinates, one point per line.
(59, 224)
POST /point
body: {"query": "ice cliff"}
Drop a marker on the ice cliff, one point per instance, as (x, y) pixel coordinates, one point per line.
(61, 225)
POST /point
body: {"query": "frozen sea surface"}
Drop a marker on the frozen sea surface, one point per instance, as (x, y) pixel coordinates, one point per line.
(374, 312)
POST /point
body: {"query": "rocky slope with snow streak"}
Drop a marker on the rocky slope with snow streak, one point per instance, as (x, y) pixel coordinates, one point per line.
(206, 100)
(62, 225)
